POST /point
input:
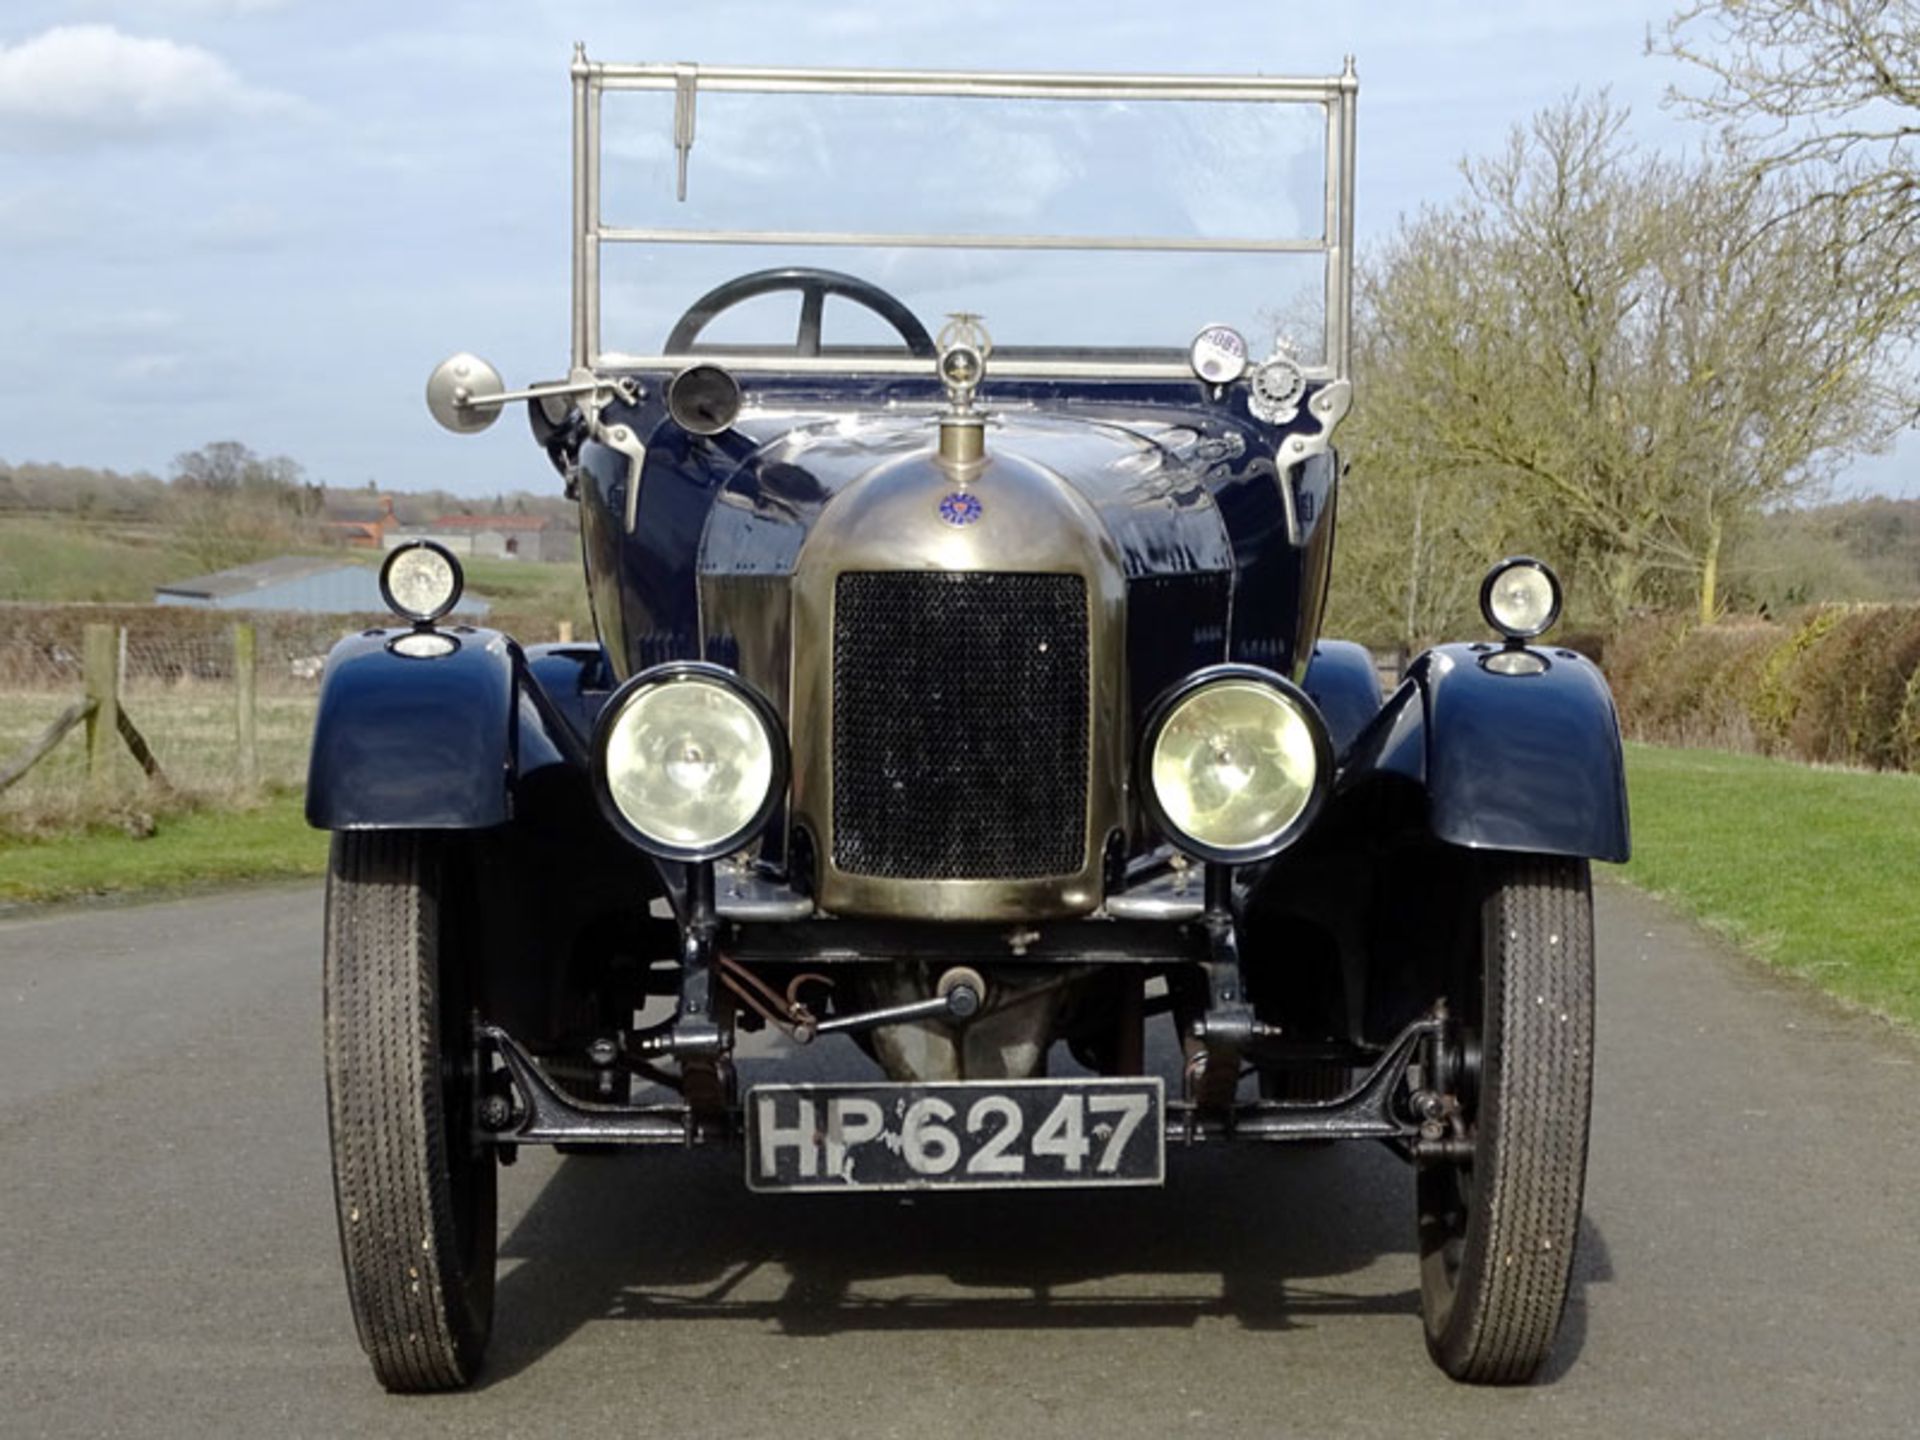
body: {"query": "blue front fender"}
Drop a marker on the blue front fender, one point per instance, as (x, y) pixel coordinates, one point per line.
(1508, 762)
(1342, 681)
(416, 744)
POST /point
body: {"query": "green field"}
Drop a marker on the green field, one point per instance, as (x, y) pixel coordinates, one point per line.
(58, 561)
(191, 728)
(524, 584)
(1811, 869)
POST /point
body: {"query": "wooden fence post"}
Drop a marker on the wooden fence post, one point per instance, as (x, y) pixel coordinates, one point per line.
(245, 717)
(102, 660)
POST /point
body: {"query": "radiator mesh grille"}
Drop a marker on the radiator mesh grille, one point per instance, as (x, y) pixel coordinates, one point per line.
(959, 725)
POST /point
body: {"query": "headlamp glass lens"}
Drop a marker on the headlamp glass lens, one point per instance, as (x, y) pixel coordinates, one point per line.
(1520, 601)
(689, 763)
(422, 582)
(1234, 765)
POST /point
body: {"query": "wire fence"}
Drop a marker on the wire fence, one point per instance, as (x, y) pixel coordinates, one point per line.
(191, 715)
(32, 664)
(217, 716)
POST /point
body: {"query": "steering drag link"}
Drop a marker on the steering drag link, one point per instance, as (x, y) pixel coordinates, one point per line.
(960, 995)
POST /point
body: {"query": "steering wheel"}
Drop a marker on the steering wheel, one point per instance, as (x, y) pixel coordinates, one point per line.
(814, 287)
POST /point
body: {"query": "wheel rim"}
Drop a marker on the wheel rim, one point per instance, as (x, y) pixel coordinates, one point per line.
(1445, 1187)
(469, 1164)
(464, 1157)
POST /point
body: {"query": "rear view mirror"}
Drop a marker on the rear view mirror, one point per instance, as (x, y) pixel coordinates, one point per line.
(459, 392)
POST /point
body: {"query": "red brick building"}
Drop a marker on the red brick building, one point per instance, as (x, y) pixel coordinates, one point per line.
(360, 527)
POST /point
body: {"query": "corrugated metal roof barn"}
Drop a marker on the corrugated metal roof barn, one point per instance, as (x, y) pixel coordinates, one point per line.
(314, 584)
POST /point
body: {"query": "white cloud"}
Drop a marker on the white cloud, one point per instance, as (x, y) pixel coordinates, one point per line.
(149, 369)
(119, 325)
(39, 217)
(190, 9)
(224, 7)
(244, 225)
(88, 83)
(889, 22)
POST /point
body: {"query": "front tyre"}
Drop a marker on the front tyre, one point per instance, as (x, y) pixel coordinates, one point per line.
(416, 1196)
(1497, 1231)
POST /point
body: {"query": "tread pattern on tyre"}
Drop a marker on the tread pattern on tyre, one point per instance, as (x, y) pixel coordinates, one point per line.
(422, 1318)
(1535, 1099)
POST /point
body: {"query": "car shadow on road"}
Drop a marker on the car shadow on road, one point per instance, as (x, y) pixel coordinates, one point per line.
(1270, 1240)
(1592, 1265)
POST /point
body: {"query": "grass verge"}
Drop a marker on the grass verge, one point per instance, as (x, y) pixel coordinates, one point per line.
(191, 850)
(1810, 869)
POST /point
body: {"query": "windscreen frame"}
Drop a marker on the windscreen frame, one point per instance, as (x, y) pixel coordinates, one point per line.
(1336, 97)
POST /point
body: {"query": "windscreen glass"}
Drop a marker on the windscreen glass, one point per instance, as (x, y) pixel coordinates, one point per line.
(1070, 225)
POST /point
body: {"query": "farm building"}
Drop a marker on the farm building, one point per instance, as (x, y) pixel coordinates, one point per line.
(506, 537)
(360, 526)
(313, 584)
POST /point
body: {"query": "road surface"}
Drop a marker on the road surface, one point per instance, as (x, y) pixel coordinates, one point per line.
(1750, 1263)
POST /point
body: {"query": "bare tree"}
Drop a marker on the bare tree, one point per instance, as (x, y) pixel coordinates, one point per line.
(78, 490)
(228, 467)
(1610, 357)
(231, 505)
(1824, 94)
(1416, 531)
(1762, 366)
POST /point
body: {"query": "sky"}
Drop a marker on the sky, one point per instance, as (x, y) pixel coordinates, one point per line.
(267, 220)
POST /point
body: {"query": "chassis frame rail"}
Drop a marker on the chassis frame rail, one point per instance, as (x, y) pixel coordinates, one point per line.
(540, 1113)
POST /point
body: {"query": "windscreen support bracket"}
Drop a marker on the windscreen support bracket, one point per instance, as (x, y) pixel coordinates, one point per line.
(686, 86)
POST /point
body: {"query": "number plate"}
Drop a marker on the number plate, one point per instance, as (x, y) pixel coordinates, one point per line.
(978, 1135)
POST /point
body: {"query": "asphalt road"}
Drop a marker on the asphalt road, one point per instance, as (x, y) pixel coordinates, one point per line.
(1750, 1264)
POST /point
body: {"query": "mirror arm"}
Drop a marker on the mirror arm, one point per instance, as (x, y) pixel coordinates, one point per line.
(464, 400)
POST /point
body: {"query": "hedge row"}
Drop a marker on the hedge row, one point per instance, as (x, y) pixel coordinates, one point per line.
(1838, 684)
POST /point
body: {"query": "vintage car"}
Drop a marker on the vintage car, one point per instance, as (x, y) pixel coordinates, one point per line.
(958, 707)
